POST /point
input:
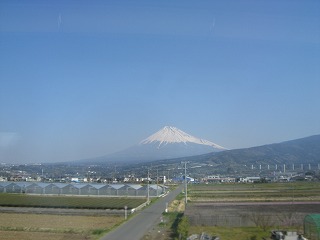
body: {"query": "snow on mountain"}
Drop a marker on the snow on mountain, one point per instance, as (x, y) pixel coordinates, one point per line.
(170, 134)
(168, 143)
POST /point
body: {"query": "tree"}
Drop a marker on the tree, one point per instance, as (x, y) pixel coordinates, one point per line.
(261, 220)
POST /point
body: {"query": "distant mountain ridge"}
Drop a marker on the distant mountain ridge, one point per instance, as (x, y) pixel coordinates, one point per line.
(299, 151)
(170, 145)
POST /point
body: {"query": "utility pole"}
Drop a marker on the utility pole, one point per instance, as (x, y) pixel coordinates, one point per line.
(114, 174)
(157, 182)
(164, 182)
(148, 195)
(185, 183)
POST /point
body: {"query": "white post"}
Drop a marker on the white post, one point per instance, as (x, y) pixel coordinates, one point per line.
(125, 212)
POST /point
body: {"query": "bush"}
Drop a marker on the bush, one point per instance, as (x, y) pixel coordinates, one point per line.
(183, 227)
(98, 231)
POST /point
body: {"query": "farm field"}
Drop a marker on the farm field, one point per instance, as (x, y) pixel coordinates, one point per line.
(238, 233)
(24, 200)
(276, 214)
(41, 226)
(243, 211)
(60, 217)
(297, 191)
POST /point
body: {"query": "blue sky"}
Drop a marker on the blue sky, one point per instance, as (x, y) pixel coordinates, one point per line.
(81, 79)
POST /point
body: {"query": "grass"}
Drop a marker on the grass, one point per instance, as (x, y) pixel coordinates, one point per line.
(298, 191)
(24, 200)
(239, 233)
(42, 226)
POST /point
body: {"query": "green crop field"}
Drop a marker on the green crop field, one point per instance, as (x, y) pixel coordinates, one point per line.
(24, 200)
(298, 191)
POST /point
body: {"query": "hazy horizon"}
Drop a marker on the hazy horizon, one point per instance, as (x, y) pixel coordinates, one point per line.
(82, 79)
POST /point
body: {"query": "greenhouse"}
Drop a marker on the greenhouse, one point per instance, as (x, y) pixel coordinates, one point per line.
(92, 189)
(311, 225)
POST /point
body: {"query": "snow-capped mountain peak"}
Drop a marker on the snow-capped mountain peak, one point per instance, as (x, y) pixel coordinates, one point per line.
(170, 134)
(167, 143)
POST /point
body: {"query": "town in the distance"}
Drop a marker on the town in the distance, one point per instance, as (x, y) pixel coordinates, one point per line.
(163, 154)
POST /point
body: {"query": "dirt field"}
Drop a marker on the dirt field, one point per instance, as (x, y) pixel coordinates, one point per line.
(250, 214)
(41, 226)
(5, 235)
(240, 210)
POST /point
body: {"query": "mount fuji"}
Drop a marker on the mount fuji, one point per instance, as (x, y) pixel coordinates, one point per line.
(169, 142)
(173, 135)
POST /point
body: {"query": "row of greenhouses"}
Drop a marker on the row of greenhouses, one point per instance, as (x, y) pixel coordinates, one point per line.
(96, 189)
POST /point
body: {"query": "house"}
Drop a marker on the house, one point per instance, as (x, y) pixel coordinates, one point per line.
(3, 179)
(250, 179)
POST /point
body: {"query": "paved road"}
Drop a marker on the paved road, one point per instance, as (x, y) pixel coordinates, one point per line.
(138, 226)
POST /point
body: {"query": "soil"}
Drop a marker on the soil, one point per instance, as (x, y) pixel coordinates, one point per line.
(247, 214)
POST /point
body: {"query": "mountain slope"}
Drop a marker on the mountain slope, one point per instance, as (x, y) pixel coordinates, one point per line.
(167, 143)
(170, 134)
(300, 151)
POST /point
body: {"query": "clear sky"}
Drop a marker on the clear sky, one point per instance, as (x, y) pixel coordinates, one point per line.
(81, 79)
